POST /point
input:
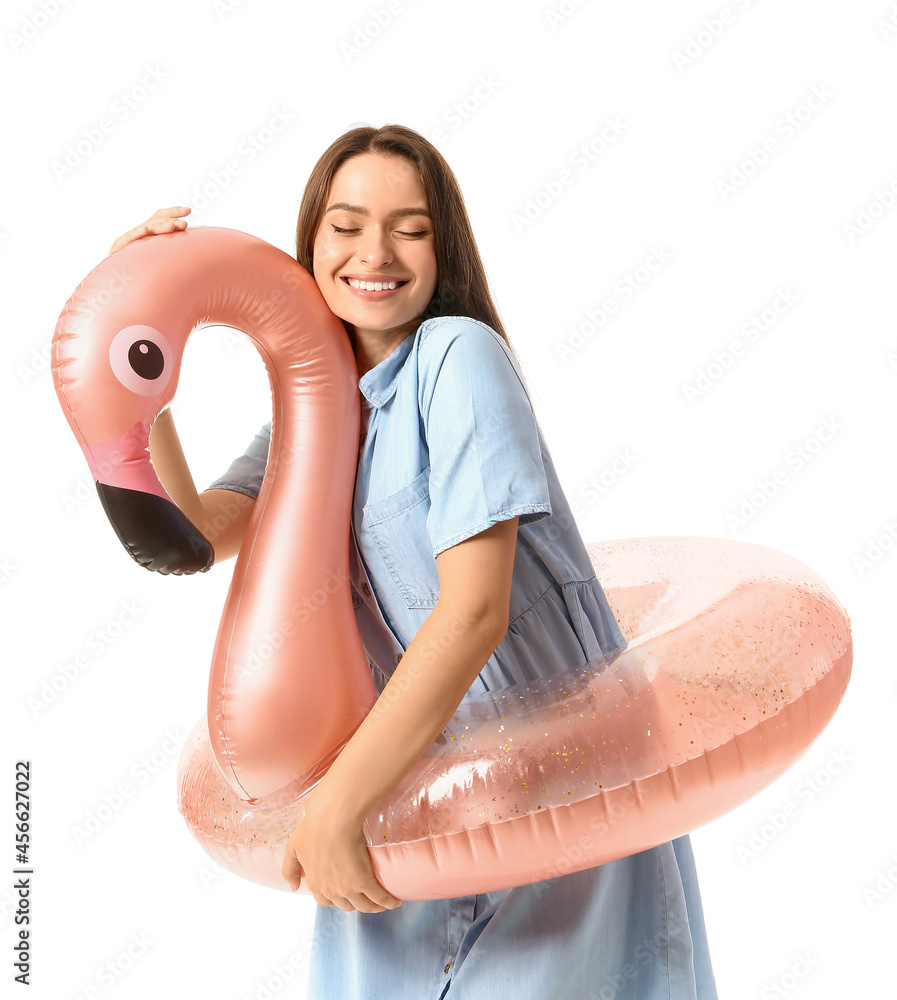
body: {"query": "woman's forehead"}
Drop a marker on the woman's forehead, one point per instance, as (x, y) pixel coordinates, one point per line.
(375, 176)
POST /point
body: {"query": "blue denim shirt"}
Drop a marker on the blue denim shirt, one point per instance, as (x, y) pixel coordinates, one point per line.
(450, 445)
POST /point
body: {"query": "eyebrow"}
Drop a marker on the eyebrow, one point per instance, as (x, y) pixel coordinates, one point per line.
(361, 210)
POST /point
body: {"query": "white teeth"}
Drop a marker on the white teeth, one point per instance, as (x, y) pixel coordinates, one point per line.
(371, 286)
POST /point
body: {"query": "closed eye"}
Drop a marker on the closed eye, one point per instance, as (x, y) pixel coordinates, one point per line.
(401, 232)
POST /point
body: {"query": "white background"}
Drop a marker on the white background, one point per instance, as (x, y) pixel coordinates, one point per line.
(534, 84)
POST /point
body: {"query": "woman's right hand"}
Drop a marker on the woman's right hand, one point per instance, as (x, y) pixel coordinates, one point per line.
(165, 220)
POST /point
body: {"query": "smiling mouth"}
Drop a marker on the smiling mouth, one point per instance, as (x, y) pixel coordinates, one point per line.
(373, 286)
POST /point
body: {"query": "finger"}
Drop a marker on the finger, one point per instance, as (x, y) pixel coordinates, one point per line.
(375, 891)
(152, 227)
(292, 869)
(366, 905)
(382, 898)
(174, 210)
(367, 902)
(166, 225)
(369, 885)
(131, 234)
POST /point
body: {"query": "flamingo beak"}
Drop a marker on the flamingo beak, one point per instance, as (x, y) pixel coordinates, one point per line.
(155, 531)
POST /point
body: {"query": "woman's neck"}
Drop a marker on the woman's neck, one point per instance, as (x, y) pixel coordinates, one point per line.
(373, 346)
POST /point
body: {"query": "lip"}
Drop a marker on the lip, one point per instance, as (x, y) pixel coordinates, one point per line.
(374, 277)
(365, 293)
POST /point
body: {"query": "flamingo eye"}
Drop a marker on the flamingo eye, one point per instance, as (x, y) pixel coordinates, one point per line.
(141, 359)
(146, 359)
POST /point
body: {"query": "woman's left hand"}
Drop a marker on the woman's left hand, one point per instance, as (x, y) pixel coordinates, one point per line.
(330, 852)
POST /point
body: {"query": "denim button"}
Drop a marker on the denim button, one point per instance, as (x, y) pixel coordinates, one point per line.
(366, 588)
(447, 967)
(398, 657)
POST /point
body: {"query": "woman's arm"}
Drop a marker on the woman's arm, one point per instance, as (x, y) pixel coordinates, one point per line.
(450, 649)
(221, 515)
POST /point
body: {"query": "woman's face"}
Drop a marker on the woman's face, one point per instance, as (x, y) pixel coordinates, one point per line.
(376, 227)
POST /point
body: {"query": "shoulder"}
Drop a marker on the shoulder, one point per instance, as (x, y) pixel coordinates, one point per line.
(463, 361)
(460, 338)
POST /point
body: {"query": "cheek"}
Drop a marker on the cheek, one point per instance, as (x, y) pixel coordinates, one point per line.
(426, 268)
(319, 257)
(326, 253)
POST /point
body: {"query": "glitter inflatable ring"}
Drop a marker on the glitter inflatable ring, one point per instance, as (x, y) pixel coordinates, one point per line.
(737, 655)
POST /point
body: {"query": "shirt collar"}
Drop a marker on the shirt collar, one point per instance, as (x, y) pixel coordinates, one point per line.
(378, 384)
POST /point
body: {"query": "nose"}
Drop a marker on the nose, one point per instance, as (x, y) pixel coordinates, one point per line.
(374, 249)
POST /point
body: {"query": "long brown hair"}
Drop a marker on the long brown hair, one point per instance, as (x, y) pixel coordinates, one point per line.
(461, 285)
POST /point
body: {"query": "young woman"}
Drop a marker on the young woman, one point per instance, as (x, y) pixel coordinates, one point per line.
(458, 517)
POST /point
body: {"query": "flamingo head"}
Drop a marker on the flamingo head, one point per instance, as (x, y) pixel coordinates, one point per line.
(115, 367)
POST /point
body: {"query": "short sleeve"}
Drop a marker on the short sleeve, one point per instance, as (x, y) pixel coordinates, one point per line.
(483, 440)
(245, 473)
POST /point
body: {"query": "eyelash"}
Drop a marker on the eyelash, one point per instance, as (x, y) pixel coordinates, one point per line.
(343, 232)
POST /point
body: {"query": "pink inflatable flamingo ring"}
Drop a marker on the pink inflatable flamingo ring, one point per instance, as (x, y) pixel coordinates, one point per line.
(737, 658)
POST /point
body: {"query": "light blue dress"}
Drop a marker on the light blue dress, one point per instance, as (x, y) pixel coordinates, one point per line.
(450, 445)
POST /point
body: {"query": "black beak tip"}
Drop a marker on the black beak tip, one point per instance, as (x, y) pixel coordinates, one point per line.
(155, 531)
